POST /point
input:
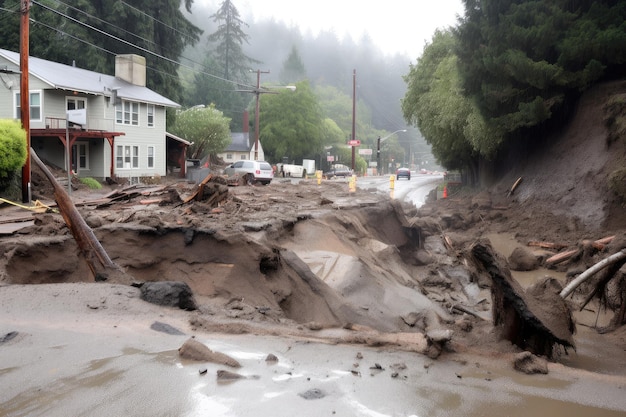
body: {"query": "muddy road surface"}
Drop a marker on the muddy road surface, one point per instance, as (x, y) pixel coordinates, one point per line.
(333, 302)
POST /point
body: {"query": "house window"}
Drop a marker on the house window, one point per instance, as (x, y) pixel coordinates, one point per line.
(127, 156)
(150, 115)
(150, 156)
(127, 113)
(76, 103)
(35, 106)
(229, 156)
(243, 156)
(80, 151)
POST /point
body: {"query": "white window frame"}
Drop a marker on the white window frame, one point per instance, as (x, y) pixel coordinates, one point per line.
(150, 114)
(151, 156)
(127, 113)
(129, 155)
(82, 146)
(76, 101)
(17, 105)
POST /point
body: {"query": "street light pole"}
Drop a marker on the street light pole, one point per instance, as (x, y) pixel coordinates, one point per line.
(378, 142)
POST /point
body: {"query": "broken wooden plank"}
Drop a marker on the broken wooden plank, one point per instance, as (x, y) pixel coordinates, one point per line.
(199, 191)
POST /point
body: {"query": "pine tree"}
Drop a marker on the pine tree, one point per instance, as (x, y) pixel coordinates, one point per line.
(229, 38)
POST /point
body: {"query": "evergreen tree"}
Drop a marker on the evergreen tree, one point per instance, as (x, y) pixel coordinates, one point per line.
(293, 69)
(229, 38)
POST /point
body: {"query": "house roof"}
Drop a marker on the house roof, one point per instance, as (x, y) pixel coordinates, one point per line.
(67, 77)
(178, 139)
(240, 143)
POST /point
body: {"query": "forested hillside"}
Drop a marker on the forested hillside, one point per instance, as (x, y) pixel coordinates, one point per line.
(510, 73)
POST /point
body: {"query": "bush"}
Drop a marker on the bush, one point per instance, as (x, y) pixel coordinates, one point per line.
(91, 183)
(12, 147)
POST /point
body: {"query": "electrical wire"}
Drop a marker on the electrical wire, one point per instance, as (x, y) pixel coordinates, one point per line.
(238, 84)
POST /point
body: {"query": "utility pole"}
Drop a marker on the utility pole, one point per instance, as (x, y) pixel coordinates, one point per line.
(378, 156)
(353, 115)
(25, 95)
(256, 113)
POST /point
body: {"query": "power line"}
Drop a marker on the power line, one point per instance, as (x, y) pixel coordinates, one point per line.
(137, 46)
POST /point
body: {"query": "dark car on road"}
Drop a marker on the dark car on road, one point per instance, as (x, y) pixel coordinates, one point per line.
(338, 170)
(403, 173)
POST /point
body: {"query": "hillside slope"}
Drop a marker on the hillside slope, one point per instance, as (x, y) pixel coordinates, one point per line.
(570, 175)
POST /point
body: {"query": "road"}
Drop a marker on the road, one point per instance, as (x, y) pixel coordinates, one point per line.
(413, 191)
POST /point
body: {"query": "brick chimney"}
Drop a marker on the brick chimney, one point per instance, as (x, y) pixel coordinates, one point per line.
(131, 68)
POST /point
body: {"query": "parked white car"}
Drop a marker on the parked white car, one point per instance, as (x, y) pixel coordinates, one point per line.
(254, 171)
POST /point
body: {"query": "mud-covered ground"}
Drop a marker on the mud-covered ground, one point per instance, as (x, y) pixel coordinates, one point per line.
(319, 263)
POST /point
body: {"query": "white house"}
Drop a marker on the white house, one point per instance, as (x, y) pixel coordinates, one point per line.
(242, 145)
(122, 124)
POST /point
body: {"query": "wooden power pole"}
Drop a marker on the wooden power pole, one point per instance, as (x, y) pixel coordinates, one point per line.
(25, 95)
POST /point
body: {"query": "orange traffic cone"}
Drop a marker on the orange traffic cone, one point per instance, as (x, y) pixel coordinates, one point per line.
(445, 192)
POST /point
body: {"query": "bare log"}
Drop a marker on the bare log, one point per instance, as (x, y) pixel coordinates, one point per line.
(561, 257)
(547, 245)
(600, 244)
(512, 190)
(97, 259)
(616, 257)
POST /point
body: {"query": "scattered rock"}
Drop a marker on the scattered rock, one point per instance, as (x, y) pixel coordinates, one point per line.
(271, 358)
(165, 328)
(8, 336)
(224, 375)
(196, 351)
(523, 259)
(530, 364)
(313, 394)
(169, 293)
(440, 335)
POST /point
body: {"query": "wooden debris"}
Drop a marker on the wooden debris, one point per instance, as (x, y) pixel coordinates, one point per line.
(600, 244)
(102, 267)
(536, 319)
(547, 245)
(512, 190)
(616, 257)
(561, 257)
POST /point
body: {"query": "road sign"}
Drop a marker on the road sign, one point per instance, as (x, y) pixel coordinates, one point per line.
(365, 151)
(330, 158)
(355, 142)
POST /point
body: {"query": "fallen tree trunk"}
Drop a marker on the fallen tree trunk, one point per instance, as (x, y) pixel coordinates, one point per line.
(102, 267)
(535, 320)
(589, 272)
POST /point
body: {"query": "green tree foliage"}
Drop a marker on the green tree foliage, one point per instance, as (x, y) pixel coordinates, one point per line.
(12, 148)
(522, 60)
(293, 68)
(76, 32)
(435, 103)
(206, 88)
(206, 127)
(291, 124)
